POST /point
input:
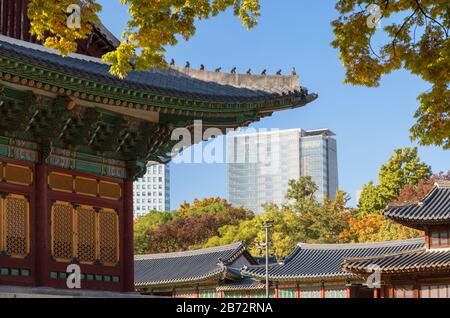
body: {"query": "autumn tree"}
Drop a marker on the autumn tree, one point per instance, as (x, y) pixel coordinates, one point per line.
(411, 194)
(403, 167)
(302, 220)
(153, 25)
(144, 223)
(375, 228)
(189, 231)
(415, 34)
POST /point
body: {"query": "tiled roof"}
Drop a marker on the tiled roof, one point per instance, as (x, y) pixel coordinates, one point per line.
(420, 260)
(246, 283)
(183, 267)
(111, 38)
(176, 82)
(434, 208)
(320, 262)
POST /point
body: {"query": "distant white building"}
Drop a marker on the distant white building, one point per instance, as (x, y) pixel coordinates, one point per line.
(152, 191)
(261, 164)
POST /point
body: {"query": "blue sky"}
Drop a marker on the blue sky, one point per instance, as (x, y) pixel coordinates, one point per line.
(369, 122)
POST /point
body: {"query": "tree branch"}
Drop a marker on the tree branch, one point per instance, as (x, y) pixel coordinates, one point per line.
(419, 6)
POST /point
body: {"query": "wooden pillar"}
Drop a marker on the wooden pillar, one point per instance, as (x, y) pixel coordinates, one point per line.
(348, 292)
(297, 292)
(42, 212)
(276, 292)
(376, 293)
(322, 290)
(382, 292)
(128, 253)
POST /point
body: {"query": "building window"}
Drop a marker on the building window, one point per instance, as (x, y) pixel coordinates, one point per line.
(85, 233)
(440, 239)
(14, 225)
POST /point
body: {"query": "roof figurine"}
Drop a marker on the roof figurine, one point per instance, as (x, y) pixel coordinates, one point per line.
(279, 73)
(294, 71)
(172, 62)
(188, 65)
(233, 70)
(202, 67)
(264, 72)
(249, 71)
(218, 70)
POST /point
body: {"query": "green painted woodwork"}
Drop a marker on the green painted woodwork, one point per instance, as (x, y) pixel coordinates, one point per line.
(309, 293)
(287, 293)
(208, 293)
(235, 294)
(336, 293)
(261, 294)
(137, 98)
(57, 123)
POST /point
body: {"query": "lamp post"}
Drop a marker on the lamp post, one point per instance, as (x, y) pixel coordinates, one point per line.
(267, 225)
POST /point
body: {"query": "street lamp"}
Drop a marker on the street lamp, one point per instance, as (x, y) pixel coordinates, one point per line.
(266, 226)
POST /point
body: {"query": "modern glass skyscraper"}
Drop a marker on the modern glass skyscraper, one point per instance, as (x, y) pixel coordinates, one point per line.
(152, 191)
(260, 165)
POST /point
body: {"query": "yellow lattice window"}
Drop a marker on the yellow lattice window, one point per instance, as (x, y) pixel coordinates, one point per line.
(63, 242)
(108, 237)
(16, 210)
(86, 229)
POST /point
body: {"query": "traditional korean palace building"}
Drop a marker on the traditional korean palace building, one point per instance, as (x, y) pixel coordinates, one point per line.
(395, 269)
(73, 138)
(423, 272)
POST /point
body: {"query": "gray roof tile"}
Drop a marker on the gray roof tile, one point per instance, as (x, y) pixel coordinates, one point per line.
(434, 208)
(170, 268)
(410, 261)
(173, 81)
(324, 261)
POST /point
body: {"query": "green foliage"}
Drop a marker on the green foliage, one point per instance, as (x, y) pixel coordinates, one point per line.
(144, 223)
(304, 220)
(403, 167)
(49, 23)
(375, 228)
(205, 206)
(419, 43)
(188, 228)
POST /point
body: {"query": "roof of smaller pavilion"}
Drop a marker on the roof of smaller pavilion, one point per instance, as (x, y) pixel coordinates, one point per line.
(188, 267)
(434, 208)
(420, 260)
(244, 284)
(323, 262)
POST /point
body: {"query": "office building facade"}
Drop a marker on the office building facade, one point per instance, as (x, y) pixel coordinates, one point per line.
(152, 191)
(260, 165)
